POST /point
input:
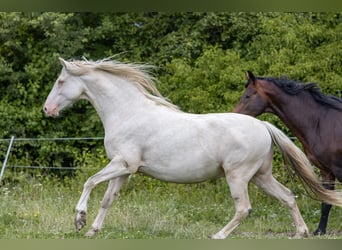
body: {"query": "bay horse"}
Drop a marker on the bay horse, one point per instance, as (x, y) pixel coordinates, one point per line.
(313, 117)
(146, 133)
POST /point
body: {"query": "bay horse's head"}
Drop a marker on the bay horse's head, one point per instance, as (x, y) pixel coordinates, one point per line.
(67, 89)
(253, 101)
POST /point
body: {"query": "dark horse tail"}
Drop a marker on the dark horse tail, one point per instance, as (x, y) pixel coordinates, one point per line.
(293, 156)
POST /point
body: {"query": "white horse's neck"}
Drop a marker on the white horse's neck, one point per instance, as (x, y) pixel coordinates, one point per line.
(115, 99)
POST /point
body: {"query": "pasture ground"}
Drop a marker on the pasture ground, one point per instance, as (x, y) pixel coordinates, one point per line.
(37, 207)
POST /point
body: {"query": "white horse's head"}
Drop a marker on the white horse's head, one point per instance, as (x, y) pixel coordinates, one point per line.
(67, 89)
(109, 80)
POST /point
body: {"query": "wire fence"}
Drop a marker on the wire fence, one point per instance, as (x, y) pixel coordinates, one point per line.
(52, 139)
(13, 139)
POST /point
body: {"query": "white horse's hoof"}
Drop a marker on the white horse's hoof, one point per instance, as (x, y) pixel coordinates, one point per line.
(91, 232)
(301, 235)
(80, 220)
(218, 236)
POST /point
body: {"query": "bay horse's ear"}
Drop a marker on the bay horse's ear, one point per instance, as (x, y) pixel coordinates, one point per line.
(250, 77)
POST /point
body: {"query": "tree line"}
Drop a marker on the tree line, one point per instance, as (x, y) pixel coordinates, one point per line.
(200, 60)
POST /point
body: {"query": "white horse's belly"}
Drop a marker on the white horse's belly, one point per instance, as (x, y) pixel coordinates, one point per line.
(184, 174)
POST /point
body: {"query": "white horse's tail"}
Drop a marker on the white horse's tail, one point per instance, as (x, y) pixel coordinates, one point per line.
(293, 156)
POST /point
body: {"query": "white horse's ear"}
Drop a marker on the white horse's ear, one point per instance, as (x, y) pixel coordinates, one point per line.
(63, 62)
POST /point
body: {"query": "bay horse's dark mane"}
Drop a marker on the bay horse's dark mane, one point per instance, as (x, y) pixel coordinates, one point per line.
(292, 87)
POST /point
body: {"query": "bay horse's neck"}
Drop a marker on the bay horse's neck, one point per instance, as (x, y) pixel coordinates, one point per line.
(300, 113)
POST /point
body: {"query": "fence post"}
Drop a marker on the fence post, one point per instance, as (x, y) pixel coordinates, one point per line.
(6, 158)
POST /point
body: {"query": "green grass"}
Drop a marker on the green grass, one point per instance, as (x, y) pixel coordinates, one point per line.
(43, 208)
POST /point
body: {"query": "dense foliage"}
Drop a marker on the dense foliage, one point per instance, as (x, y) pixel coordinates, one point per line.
(200, 57)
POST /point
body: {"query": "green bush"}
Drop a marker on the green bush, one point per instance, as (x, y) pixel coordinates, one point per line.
(201, 60)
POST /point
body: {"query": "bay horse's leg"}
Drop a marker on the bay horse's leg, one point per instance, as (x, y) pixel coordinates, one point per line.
(323, 222)
(116, 168)
(239, 191)
(112, 192)
(328, 183)
(271, 186)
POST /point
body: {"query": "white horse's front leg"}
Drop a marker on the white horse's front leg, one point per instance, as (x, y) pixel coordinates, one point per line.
(112, 192)
(116, 168)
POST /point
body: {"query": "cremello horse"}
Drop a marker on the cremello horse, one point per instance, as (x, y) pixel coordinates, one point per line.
(145, 133)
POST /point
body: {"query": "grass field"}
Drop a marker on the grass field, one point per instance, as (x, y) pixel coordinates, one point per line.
(38, 207)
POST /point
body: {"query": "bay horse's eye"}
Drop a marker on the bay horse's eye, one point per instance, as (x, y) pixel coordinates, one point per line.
(247, 96)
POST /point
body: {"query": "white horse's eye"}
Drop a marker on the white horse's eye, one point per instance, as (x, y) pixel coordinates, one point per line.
(60, 81)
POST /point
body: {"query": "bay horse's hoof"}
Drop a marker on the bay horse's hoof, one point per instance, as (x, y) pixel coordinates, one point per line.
(80, 220)
(319, 232)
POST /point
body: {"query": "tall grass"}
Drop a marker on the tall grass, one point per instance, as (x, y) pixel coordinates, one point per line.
(42, 207)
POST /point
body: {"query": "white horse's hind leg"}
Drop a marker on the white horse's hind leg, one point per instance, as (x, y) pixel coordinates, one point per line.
(112, 192)
(239, 191)
(116, 168)
(266, 181)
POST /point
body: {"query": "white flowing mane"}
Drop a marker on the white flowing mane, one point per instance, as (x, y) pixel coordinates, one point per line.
(135, 73)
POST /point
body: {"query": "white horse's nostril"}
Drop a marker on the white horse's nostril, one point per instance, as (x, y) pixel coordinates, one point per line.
(50, 111)
(46, 110)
